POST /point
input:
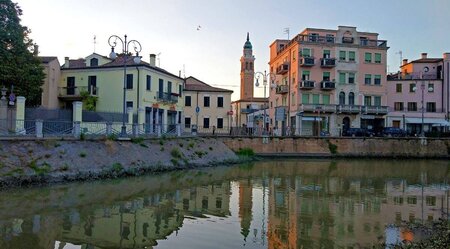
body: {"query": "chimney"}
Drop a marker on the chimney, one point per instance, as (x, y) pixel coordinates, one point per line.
(446, 56)
(423, 55)
(405, 61)
(153, 60)
(66, 63)
(36, 50)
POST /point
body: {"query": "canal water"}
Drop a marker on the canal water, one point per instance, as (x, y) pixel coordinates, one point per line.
(270, 204)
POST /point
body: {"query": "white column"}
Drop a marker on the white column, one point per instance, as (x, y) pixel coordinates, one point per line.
(141, 116)
(77, 111)
(130, 115)
(20, 114)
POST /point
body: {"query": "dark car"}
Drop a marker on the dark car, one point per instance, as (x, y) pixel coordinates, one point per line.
(354, 132)
(393, 132)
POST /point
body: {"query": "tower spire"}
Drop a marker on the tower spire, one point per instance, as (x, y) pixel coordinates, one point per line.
(248, 36)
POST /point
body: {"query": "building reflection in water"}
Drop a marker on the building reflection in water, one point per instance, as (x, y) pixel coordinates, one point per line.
(316, 204)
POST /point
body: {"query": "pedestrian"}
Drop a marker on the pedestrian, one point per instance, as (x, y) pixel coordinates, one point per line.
(214, 130)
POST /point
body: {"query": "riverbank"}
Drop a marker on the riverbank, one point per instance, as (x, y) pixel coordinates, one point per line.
(54, 160)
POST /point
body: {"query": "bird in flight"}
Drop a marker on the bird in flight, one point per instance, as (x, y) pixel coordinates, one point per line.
(199, 27)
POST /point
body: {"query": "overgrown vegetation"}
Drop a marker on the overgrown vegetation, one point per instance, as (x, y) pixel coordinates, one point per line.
(175, 152)
(40, 170)
(117, 167)
(245, 152)
(82, 154)
(89, 101)
(332, 147)
(112, 137)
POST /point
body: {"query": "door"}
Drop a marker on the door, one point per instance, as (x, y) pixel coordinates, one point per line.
(396, 124)
(70, 85)
(345, 124)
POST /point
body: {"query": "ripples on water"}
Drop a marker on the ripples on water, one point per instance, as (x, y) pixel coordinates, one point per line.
(277, 204)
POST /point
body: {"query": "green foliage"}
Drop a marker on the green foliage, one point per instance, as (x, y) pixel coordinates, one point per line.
(174, 161)
(18, 66)
(112, 137)
(89, 101)
(117, 167)
(332, 147)
(245, 152)
(82, 136)
(191, 145)
(39, 170)
(210, 148)
(200, 154)
(162, 148)
(82, 154)
(65, 167)
(137, 140)
(175, 153)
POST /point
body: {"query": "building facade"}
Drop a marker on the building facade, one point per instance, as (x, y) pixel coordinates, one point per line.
(328, 80)
(52, 72)
(422, 84)
(152, 93)
(205, 106)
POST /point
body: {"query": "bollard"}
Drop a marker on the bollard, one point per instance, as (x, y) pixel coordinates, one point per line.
(39, 126)
(108, 128)
(158, 130)
(179, 130)
(77, 129)
(135, 130)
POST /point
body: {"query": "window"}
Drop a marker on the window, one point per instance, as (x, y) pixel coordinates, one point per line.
(377, 80)
(342, 78)
(206, 101)
(430, 87)
(431, 106)
(306, 52)
(92, 85)
(94, 62)
(161, 88)
(351, 98)
(149, 83)
(398, 88)
(368, 79)
(326, 53)
(398, 106)
(412, 106)
(411, 200)
(367, 100)
(219, 123)
(293, 55)
(187, 100)
(187, 122)
(377, 101)
(169, 87)
(313, 37)
(377, 58)
(220, 101)
(329, 38)
(326, 76)
(305, 98)
(316, 98)
(412, 87)
(326, 99)
(342, 55)
(129, 81)
(351, 78)
(305, 75)
(351, 55)
(368, 57)
(341, 98)
(205, 122)
(129, 104)
(431, 200)
(180, 90)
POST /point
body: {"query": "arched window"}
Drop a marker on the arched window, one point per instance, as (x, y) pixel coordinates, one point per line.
(351, 98)
(341, 98)
(94, 62)
(251, 66)
(246, 65)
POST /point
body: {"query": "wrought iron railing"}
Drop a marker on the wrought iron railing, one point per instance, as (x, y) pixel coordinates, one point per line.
(77, 91)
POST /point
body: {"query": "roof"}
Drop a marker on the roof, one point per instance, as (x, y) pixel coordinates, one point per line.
(254, 99)
(194, 84)
(47, 59)
(248, 44)
(427, 60)
(118, 62)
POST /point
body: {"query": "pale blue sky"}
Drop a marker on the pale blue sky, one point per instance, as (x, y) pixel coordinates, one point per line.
(66, 28)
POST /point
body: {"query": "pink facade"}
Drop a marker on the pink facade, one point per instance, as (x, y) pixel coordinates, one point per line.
(424, 79)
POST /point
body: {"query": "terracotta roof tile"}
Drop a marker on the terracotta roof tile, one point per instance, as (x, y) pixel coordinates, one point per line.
(47, 59)
(194, 84)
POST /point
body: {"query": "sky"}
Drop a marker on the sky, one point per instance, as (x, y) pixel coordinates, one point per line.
(169, 28)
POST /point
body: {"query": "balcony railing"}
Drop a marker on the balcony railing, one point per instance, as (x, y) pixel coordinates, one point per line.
(282, 89)
(327, 62)
(372, 43)
(347, 40)
(323, 108)
(307, 84)
(77, 91)
(166, 97)
(283, 68)
(418, 76)
(327, 85)
(331, 108)
(375, 109)
(349, 109)
(306, 61)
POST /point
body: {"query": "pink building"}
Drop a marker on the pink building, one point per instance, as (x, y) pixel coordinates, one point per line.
(422, 83)
(328, 80)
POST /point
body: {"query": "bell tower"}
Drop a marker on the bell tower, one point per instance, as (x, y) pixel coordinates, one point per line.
(247, 70)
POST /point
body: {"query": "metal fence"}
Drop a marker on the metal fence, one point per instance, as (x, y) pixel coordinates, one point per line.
(34, 113)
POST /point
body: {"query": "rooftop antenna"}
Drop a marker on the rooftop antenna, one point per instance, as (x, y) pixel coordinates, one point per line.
(95, 41)
(159, 60)
(286, 31)
(401, 57)
(184, 71)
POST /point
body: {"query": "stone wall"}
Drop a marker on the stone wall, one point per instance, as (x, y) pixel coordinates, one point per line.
(354, 147)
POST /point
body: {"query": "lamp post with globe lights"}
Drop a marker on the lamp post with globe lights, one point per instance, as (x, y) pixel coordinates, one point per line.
(272, 85)
(112, 41)
(422, 88)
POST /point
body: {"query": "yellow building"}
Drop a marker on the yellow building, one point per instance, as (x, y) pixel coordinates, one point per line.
(206, 106)
(151, 92)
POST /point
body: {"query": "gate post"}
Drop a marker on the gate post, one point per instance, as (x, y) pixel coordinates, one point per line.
(39, 126)
(20, 115)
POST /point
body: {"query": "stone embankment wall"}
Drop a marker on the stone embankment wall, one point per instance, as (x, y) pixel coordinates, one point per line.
(344, 147)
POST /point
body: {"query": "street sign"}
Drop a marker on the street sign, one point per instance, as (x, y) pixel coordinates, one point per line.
(197, 109)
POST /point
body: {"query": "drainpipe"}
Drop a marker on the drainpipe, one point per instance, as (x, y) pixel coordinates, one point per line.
(138, 85)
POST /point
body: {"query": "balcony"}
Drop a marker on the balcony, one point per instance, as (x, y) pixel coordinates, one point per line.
(375, 109)
(76, 92)
(283, 68)
(349, 109)
(328, 62)
(327, 85)
(166, 97)
(348, 40)
(305, 61)
(418, 76)
(307, 84)
(281, 89)
(323, 108)
(373, 43)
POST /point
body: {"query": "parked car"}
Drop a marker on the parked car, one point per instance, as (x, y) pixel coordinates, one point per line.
(354, 132)
(393, 132)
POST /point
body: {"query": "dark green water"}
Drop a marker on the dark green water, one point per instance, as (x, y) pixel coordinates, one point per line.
(270, 204)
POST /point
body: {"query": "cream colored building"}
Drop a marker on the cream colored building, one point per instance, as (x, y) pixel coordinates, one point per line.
(206, 106)
(52, 72)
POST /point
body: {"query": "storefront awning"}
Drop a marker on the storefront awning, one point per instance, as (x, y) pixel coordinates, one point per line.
(311, 118)
(434, 121)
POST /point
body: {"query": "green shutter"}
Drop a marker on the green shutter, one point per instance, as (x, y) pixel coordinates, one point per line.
(305, 98)
(326, 54)
(368, 57)
(342, 55)
(377, 58)
(326, 74)
(326, 99)
(306, 52)
(342, 78)
(377, 101)
(351, 55)
(315, 98)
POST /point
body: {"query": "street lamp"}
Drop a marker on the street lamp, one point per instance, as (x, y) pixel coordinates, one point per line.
(112, 41)
(430, 89)
(272, 85)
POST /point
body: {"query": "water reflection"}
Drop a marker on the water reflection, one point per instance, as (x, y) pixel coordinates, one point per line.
(281, 204)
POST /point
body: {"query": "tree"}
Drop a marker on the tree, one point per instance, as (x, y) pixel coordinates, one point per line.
(19, 67)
